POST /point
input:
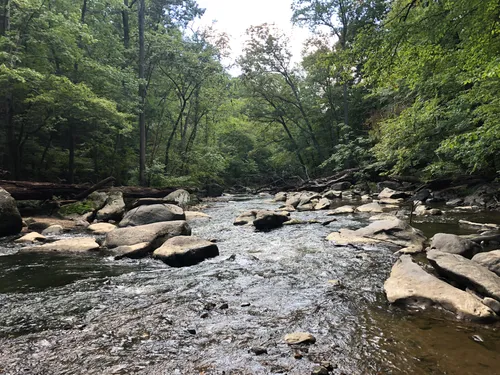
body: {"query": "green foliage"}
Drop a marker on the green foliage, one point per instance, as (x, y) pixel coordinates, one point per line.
(78, 208)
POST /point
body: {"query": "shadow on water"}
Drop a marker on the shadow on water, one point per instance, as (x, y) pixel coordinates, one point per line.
(92, 315)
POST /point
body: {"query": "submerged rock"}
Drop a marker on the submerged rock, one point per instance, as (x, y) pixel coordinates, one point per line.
(183, 251)
(466, 273)
(410, 285)
(155, 213)
(10, 218)
(388, 232)
(155, 234)
(490, 260)
(69, 245)
(453, 244)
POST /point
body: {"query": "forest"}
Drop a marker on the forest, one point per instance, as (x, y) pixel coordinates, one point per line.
(127, 88)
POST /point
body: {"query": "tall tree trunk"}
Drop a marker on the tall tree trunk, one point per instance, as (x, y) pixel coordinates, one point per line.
(346, 105)
(142, 95)
(126, 25)
(71, 161)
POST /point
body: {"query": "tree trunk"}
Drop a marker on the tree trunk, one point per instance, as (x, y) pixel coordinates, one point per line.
(71, 161)
(126, 25)
(142, 95)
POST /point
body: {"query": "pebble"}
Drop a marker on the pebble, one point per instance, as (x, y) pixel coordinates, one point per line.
(257, 350)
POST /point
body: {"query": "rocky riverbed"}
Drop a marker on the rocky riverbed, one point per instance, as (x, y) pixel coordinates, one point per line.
(90, 313)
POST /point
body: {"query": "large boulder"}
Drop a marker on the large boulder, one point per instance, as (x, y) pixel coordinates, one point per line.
(411, 286)
(465, 272)
(113, 209)
(136, 251)
(185, 251)
(10, 219)
(293, 199)
(266, 220)
(388, 193)
(490, 260)
(280, 197)
(181, 197)
(68, 245)
(155, 213)
(453, 244)
(245, 218)
(323, 204)
(394, 232)
(155, 234)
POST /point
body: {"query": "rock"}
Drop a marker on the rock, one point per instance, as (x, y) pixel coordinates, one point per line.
(481, 226)
(465, 272)
(68, 245)
(388, 193)
(280, 197)
(370, 207)
(266, 220)
(293, 199)
(155, 213)
(307, 198)
(10, 218)
(387, 232)
(101, 228)
(299, 338)
(455, 202)
(185, 251)
(344, 185)
(191, 215)
(53, 230)
(453, 244)
(113, 209)
(149, 201)
(137, 251)
(287, 208)
(490, 260)
(485, 197)
(410, 285)
(31, 237)
(383, 216)
(342, 210)
(98, 199)
(492, 304)
(155, 234)
(390, 201)
(295, 222)
(333, 194)
(306, 207)
(388, 184)
(422, 195)
(422, 210)
(245, 218)
(323, 204)
(180, 196)
(257, 350)
(366, 198)
(320, 370)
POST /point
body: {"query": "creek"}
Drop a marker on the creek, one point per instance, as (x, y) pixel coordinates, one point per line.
(94, 315)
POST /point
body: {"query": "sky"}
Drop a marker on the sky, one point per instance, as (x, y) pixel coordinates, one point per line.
(235, 16)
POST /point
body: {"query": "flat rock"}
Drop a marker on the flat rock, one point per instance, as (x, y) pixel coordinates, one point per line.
(410, 285)
(156, 234)
(154, 213)
(453, 244)
(101, 228)
(388, 232)
(68, 245)
(299, 338)
(137, 251)
(185, 251)
(190, 215)
(342, 210)
(490, 260)
(384, 216)
(10, 218)
(370, 207)
(466, 273)
(31, 237)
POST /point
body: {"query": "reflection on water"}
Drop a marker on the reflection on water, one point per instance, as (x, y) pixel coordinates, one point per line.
(93, 315)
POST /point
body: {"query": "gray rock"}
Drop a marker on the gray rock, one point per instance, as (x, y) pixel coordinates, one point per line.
(466, 273)
(53, 230)
(137, 251)
(183, 251)
(453, 244)
(180, 196)
(490, 260)
(266, 220)
(410, 285)
(113, 209)
(280, 197)
(155, 213)
(492, 304)
(333, 194)
(370, 207)
(10, 218)
(323, 204)
(245, 218)
(307, 198)
(344, 185)
(342, 210)
(455, 202)
(101, 228)
(392, 232)
(31, 237)
(305, 207)
(388, 184)
(156, 234)
(69, 245)
(299, 338)
(392, 194)
(421, 195)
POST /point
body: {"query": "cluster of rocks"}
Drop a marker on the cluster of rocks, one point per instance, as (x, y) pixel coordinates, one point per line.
(464, 279)
(155, 227)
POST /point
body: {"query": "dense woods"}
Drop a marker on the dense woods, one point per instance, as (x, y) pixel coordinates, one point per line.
(126, 88)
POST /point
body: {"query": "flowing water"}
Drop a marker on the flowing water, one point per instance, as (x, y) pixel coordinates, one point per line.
(95, 315)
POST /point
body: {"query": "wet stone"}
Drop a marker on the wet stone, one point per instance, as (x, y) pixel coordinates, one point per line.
(319, 370)
(257, 350)
(299, 338)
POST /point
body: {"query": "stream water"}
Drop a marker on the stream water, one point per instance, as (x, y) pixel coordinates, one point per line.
(95, 315)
